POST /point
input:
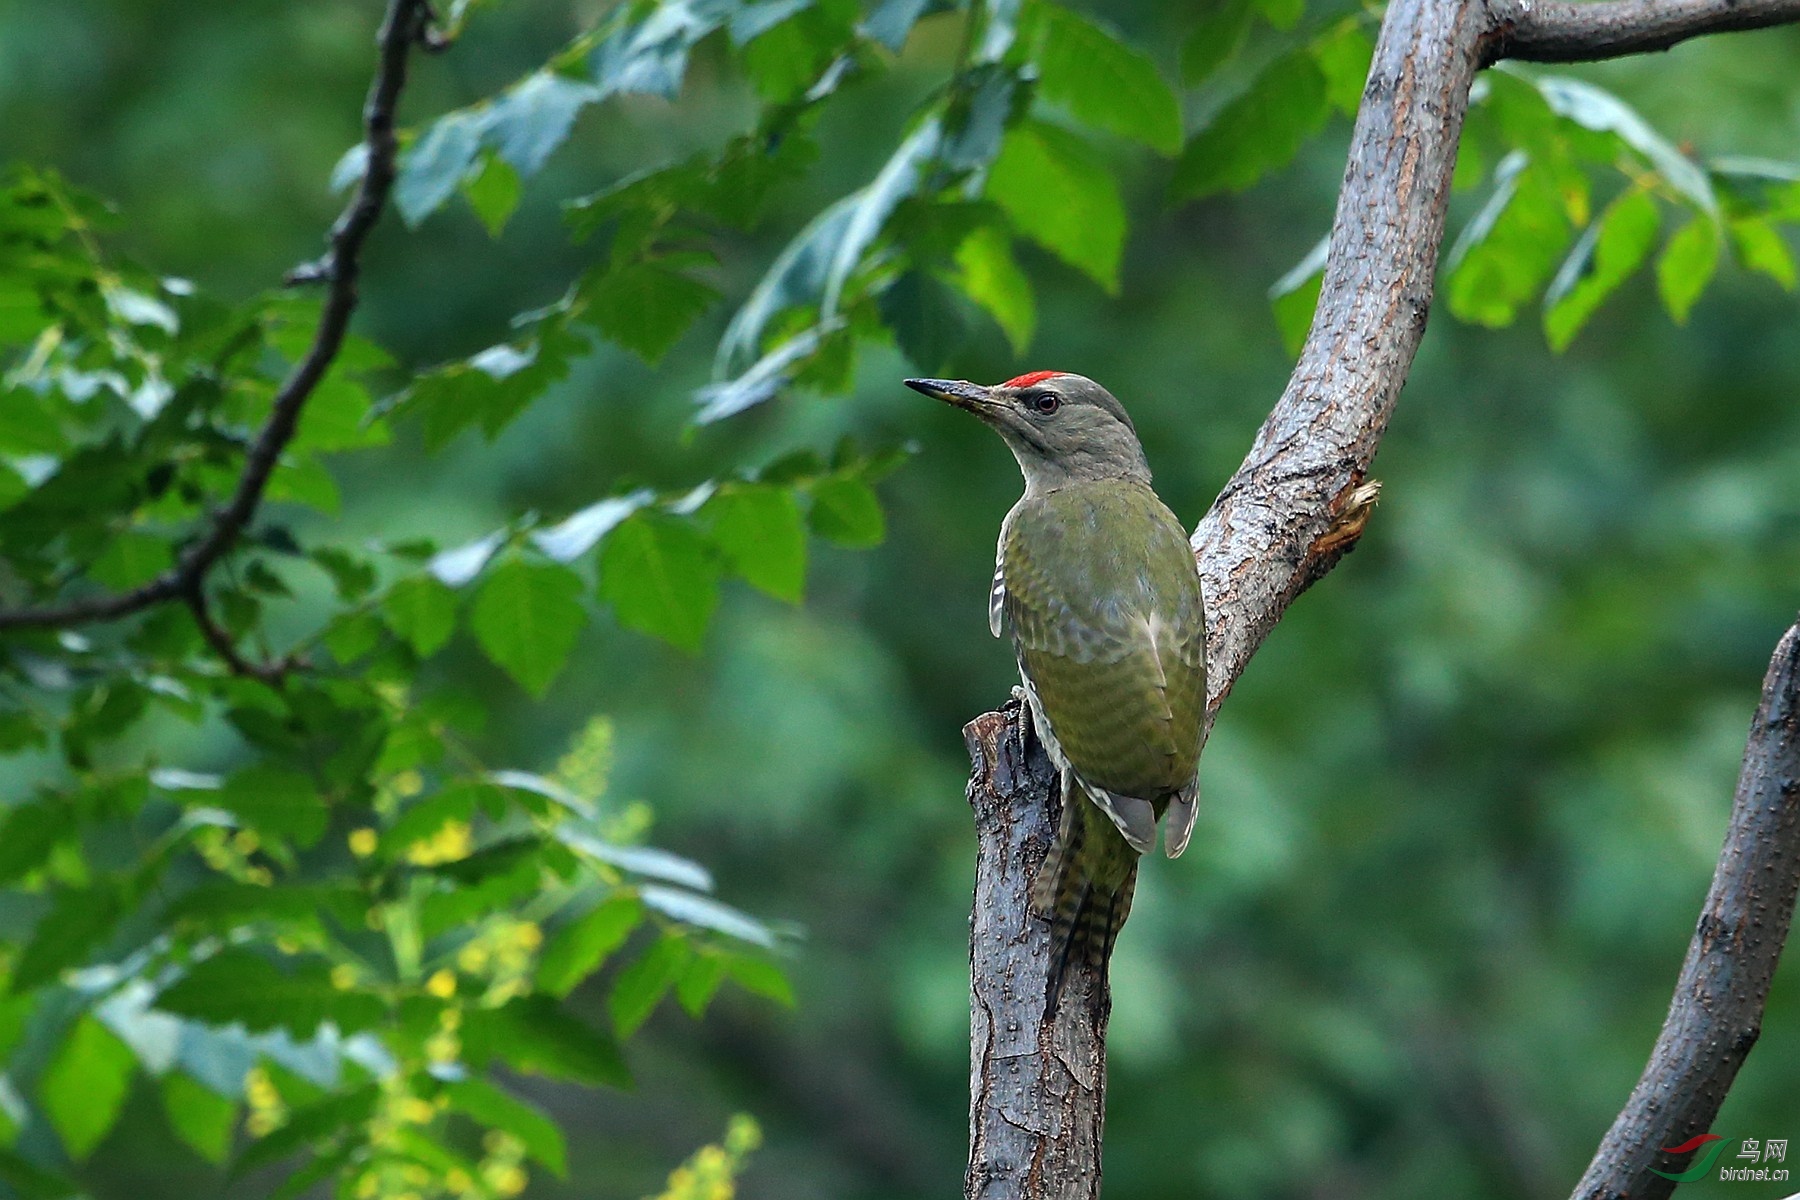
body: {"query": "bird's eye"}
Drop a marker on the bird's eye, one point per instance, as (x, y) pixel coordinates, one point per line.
(1044, 403)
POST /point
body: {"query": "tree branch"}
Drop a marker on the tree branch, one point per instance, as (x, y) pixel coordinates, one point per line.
(1557, 31)
(1297, 504)
(1716, 1014)
(404, 26)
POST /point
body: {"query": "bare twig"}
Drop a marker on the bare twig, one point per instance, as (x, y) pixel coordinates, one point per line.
(1717, 1011)
(1297, 504)
(1557, 31)
(404, 27)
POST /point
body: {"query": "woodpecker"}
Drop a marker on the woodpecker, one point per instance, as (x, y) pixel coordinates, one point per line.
(1096, 583)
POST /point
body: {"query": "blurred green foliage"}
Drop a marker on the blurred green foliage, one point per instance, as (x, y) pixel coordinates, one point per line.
(1459, 814)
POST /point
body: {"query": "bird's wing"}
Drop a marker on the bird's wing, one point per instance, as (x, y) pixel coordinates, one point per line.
(997, 593)
(1116, 666)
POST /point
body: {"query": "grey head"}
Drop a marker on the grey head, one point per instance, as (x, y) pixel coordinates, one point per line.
(1062, 428)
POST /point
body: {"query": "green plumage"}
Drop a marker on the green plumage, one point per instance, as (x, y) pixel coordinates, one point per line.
(1099, 588)
(1103, 600)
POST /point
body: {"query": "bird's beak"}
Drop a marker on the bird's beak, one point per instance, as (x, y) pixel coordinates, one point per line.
(970, 397)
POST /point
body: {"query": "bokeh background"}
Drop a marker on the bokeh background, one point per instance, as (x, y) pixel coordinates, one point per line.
(1458, 816)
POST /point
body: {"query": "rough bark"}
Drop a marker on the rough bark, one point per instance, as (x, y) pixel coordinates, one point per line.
(1297, 504)
(1716, 1014)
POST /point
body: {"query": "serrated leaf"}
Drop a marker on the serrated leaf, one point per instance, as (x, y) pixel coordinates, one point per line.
(846, 510)
(238, 985)
(526, 617)
(497, 1109)
(85, 1085)
(641, 986)
(1257, 132)
(1215, 39)
(580, 947)
(1686, 266)
(988, 275)
(531, 119)
(1062, 195)
(646, 307)
(131, 558)
(661, 577)
(1761, 249)
(200, 1117)
(1604, 257)
(422, 612)
(531, 1034)
(432, 167)
(1104, 82)
(760, 529)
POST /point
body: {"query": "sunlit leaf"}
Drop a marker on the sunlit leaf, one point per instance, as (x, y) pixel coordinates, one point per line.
(501, 1110)
(579, 948)
(1603, 258)
(85, 1085)
(526, 617)
(421, 610)
(1062, 195)
(1102, 81)
(661, 577)
(763, 535)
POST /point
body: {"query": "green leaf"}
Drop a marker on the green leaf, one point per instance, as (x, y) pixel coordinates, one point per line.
(531, 1034)
(1214, 40)
(699, 983)
(646, 307)
(422, 612)
(661, 577)
(1595, 108)
(84, 1088)
(763, 536)
(531, 119)
(493, 192)
(1257, 132)
(846, 510)
(199, 1116)
(501, 1110)
(1613, 247)
(308, 1126)
(29, 832)
(274, 801)
(79, 920)
(1343, 54)
(238, 985)
(579, 947)
(1104, 82)
(432, 167)
(1062, 195)
(1687, 265)
(1760, 248)
(131, 558)
(927, 317)
(990, 277)
(1282, 14)
(760, 977)
(1507, 252)
(641, 986)
(526, 617)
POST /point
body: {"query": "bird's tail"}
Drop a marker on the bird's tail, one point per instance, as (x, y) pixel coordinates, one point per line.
(1084, 890)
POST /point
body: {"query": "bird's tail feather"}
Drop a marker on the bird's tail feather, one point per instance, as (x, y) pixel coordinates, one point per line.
(1085, 916)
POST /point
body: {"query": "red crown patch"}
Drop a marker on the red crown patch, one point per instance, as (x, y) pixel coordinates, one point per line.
(1030, 377)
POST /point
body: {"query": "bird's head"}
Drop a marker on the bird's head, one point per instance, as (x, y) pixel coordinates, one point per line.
(1062, 428)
